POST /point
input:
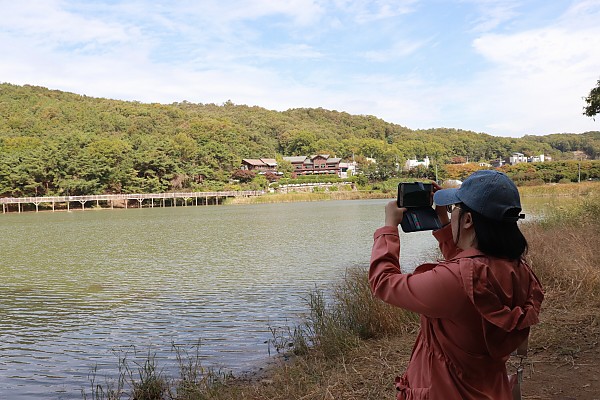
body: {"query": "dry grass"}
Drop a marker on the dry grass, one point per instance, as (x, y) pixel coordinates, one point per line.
(566, 259)
(307, 196)
(564, 251)
(561, 189)
(564, 254)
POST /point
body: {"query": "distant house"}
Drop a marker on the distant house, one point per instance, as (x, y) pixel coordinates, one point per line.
(517, 158)
(347, 169)
(410, 164)
(539, 158)
(315, 164)
(259, 164)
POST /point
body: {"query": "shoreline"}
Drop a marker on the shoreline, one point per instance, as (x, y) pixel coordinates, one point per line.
(565, 190)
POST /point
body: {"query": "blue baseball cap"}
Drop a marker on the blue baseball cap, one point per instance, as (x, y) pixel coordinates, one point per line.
(489, 193)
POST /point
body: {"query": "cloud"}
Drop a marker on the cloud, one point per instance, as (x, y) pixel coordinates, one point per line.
(48, 24)
(399, 49)
(301, 12)
(492, 13)
(538, 77)
(365, 57)
(366, 11)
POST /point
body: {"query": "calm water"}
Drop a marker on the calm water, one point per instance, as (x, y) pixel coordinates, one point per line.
(80, 288)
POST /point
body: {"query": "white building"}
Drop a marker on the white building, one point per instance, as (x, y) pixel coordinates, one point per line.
(347, 169)
(410, 164)
(539, 158)
(517, 158)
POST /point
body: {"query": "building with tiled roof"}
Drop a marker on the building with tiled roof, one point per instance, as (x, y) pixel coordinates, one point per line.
(315, 164)
(259, 164)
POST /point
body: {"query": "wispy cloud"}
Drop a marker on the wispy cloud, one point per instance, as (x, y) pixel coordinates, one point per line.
(365, 11)
(399, 49)
(491, 14)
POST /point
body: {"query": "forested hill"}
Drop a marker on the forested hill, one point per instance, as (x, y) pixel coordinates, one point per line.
(53, 142)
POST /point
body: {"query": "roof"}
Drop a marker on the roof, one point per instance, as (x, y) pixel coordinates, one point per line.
(253, 161)
(269, 161)
(333, 160)
(295, 159)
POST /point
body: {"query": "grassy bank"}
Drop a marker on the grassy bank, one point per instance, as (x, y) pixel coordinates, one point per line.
(561, 189)
(309, 196)
(388, 191)
(352, 345)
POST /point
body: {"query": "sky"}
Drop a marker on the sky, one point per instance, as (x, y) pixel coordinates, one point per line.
(502, 67)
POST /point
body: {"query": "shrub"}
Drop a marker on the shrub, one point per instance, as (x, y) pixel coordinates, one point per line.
(352, 314)
(243, 175)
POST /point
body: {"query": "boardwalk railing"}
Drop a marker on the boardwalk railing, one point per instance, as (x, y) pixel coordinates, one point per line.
(124, 198)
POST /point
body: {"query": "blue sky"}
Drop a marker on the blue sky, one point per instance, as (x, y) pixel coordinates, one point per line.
(503, 67)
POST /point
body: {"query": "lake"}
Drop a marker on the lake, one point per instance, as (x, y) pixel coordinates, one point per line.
(80, 288)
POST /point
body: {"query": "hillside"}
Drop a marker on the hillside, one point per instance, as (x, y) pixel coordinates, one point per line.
(56, 143)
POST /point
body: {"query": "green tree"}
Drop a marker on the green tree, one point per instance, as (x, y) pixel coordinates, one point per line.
(54, 143)
(285, 167)
(593, 102)
(301, 143)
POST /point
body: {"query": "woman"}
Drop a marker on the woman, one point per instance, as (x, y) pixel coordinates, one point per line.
(477, 305)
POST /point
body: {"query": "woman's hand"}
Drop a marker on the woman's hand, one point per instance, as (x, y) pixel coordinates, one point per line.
(441, 211)
(393, 214)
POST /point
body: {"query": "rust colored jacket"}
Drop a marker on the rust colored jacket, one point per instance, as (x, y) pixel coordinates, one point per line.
(475, 310)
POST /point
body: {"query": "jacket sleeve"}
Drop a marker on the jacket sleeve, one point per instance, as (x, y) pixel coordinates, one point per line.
(434, 291)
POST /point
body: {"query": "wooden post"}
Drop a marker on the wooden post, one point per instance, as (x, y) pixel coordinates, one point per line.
(82, 204)
(52, 205)
(140, 201)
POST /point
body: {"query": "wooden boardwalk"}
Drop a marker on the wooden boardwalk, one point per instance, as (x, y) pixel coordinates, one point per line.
(122, 200)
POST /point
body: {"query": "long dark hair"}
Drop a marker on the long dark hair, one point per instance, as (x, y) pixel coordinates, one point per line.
(501, 239)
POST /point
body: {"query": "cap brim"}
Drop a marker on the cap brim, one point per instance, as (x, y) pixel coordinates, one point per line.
(446, 197)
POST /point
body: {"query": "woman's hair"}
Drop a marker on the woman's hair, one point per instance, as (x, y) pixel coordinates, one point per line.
(497, 238)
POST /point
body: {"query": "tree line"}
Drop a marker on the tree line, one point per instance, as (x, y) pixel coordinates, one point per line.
(59, 143)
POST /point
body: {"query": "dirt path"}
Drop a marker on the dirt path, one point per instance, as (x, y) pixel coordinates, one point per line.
(562, 377)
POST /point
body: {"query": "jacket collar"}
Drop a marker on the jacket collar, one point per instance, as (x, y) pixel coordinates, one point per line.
(469, 253)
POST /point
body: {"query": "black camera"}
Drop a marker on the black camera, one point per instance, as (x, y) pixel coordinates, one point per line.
(418, 199)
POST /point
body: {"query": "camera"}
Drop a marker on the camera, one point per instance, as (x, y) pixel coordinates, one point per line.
(417, 198)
